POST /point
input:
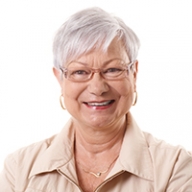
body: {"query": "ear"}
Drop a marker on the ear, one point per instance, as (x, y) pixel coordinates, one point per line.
(58, 76)
(135, 74)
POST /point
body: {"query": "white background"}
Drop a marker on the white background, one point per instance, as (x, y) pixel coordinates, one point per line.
(29, 93)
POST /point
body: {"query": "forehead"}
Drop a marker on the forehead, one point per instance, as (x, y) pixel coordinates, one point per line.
(98, 58)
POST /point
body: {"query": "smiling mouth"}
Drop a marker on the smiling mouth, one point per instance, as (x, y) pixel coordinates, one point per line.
(100, 104)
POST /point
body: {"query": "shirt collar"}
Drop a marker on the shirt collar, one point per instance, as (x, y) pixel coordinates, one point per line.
(57, 151)
(134, 155)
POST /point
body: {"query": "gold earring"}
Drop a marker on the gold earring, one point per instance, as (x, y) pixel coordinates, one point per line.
(61, 102)
(136, 97)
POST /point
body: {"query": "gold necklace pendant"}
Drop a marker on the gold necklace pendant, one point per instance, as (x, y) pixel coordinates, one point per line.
(98, 174)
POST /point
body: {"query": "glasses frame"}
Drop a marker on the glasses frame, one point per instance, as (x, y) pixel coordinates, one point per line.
(127, 68)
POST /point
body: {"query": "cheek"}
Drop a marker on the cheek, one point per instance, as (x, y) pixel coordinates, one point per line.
(126, 93)
(71, 90)
(125, 89)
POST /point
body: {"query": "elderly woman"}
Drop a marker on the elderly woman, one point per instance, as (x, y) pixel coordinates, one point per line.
(101, 148)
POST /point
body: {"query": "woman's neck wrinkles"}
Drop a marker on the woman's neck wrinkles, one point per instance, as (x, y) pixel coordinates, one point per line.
(93, 141)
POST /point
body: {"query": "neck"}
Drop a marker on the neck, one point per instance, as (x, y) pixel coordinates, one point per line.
(91, 142)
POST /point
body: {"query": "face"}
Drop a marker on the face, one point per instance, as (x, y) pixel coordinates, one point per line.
(99, 102)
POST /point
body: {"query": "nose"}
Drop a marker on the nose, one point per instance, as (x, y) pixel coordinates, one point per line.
(97, 85)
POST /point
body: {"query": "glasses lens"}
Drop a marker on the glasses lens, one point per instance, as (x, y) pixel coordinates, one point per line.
(113, 72)
(78, 73)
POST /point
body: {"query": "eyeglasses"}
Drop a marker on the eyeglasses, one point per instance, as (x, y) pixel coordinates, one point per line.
(83, 73)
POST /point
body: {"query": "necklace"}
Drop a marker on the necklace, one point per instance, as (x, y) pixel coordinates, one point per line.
(98, 173)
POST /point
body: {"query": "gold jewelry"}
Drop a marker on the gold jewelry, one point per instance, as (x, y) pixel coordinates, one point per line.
(136, 97)
(62, 102)
(98, 173)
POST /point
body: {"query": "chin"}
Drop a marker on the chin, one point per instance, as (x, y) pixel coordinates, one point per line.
(100, 122)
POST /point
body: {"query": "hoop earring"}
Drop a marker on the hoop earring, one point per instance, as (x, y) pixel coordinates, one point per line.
(62, 102)
(136, 97)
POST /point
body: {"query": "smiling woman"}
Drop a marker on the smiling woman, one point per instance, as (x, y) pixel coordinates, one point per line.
(99, 101)
(101, 148)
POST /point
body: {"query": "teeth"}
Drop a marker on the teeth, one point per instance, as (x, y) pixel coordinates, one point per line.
(99, 104)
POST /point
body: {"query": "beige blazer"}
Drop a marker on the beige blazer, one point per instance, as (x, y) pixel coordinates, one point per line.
(145, 164)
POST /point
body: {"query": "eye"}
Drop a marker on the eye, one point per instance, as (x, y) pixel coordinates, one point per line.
(113, 70)
(79, 72)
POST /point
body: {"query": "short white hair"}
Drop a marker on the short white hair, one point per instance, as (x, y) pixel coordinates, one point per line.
(90, 29)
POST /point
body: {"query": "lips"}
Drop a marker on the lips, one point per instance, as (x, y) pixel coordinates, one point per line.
(99, 104)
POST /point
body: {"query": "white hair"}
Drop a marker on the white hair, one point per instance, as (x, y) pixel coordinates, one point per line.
(90, 29)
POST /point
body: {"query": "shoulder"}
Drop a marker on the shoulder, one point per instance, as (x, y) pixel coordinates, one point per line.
(30, 152)
(172, 164)
(43, 150)
(17, 166)
(159, 147)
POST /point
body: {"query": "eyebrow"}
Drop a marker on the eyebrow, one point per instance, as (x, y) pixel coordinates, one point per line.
(105, 63)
